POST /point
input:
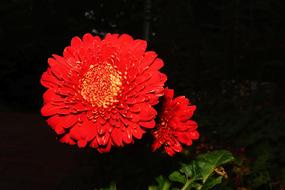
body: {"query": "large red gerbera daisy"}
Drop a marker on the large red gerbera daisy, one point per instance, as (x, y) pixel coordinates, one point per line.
(101, 92)
(175, 127)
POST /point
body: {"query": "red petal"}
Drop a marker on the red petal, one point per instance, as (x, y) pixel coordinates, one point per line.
(125, 38)
(49, 80)
(194, 135)
(127, 136)
(176, 146)
(184, 138)
(53, 121)
(183, 126)
(102, 130)
(137, 131)
(49, 110)
(76, 41)
(94, 143)
(88, 38)
(142, 78)
(148, 124)
(149, 57)
(65, 91)
(147, 112)
(153, 90)
(117, 137)
(152, 99)
(135, 108)
(81, 143)
(181, 100)
(103, 140)
(78, 132)
(71, 59)
(107, 148)
(111, 37)
(59, 130)
(191, 125)
(156, 145)
(157, 79)
(68, 120)
(50, 96)
(58, 123)
(157, 64)
(169, 151)
(58, 69)
(186, 113)
(168, 94)
(62, 62)
(85, 131)
(131, 101)
(66, 139)
(138, 48)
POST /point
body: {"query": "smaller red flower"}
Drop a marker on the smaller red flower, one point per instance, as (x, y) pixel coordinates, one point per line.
(175, 127)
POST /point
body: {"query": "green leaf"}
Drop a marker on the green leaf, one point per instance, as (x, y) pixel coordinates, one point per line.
(260, 178)
(209, 161)
(189, 184)
(163, 184)
(190, 170)
(196, 175)
(152, 187)
(111, 187)
(177, 177)
(211, 182)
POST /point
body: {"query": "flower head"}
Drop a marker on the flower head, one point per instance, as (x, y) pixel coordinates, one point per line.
(175, 127)
(101, 92)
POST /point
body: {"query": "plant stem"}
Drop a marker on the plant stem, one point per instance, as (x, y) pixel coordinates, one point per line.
(187, 184)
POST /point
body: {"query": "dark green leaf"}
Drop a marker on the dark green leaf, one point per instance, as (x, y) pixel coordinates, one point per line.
(190, 170)
(111, 187)
(209, 161)
(163, 183)
(211, 182)
(177, 177)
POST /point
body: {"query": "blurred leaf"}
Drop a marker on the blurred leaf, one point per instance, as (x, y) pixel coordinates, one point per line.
(209, 161)
(259, 179)
(190, 170)
(112, 187)
(212, 182)
(152, 187)
(199, 173)
(163, 184)
(177, 177)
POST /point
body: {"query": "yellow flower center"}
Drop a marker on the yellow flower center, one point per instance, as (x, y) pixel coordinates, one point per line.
(100, 85)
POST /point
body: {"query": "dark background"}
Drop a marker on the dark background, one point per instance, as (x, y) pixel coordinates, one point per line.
(227, 56)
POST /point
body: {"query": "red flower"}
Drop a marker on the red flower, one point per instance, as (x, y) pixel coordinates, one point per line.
(175, 127)
(101, 92)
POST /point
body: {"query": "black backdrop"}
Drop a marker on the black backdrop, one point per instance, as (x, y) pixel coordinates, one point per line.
(227, 56)
(201, 42)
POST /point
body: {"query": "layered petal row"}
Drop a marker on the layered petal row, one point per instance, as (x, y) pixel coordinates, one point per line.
(175, 127)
